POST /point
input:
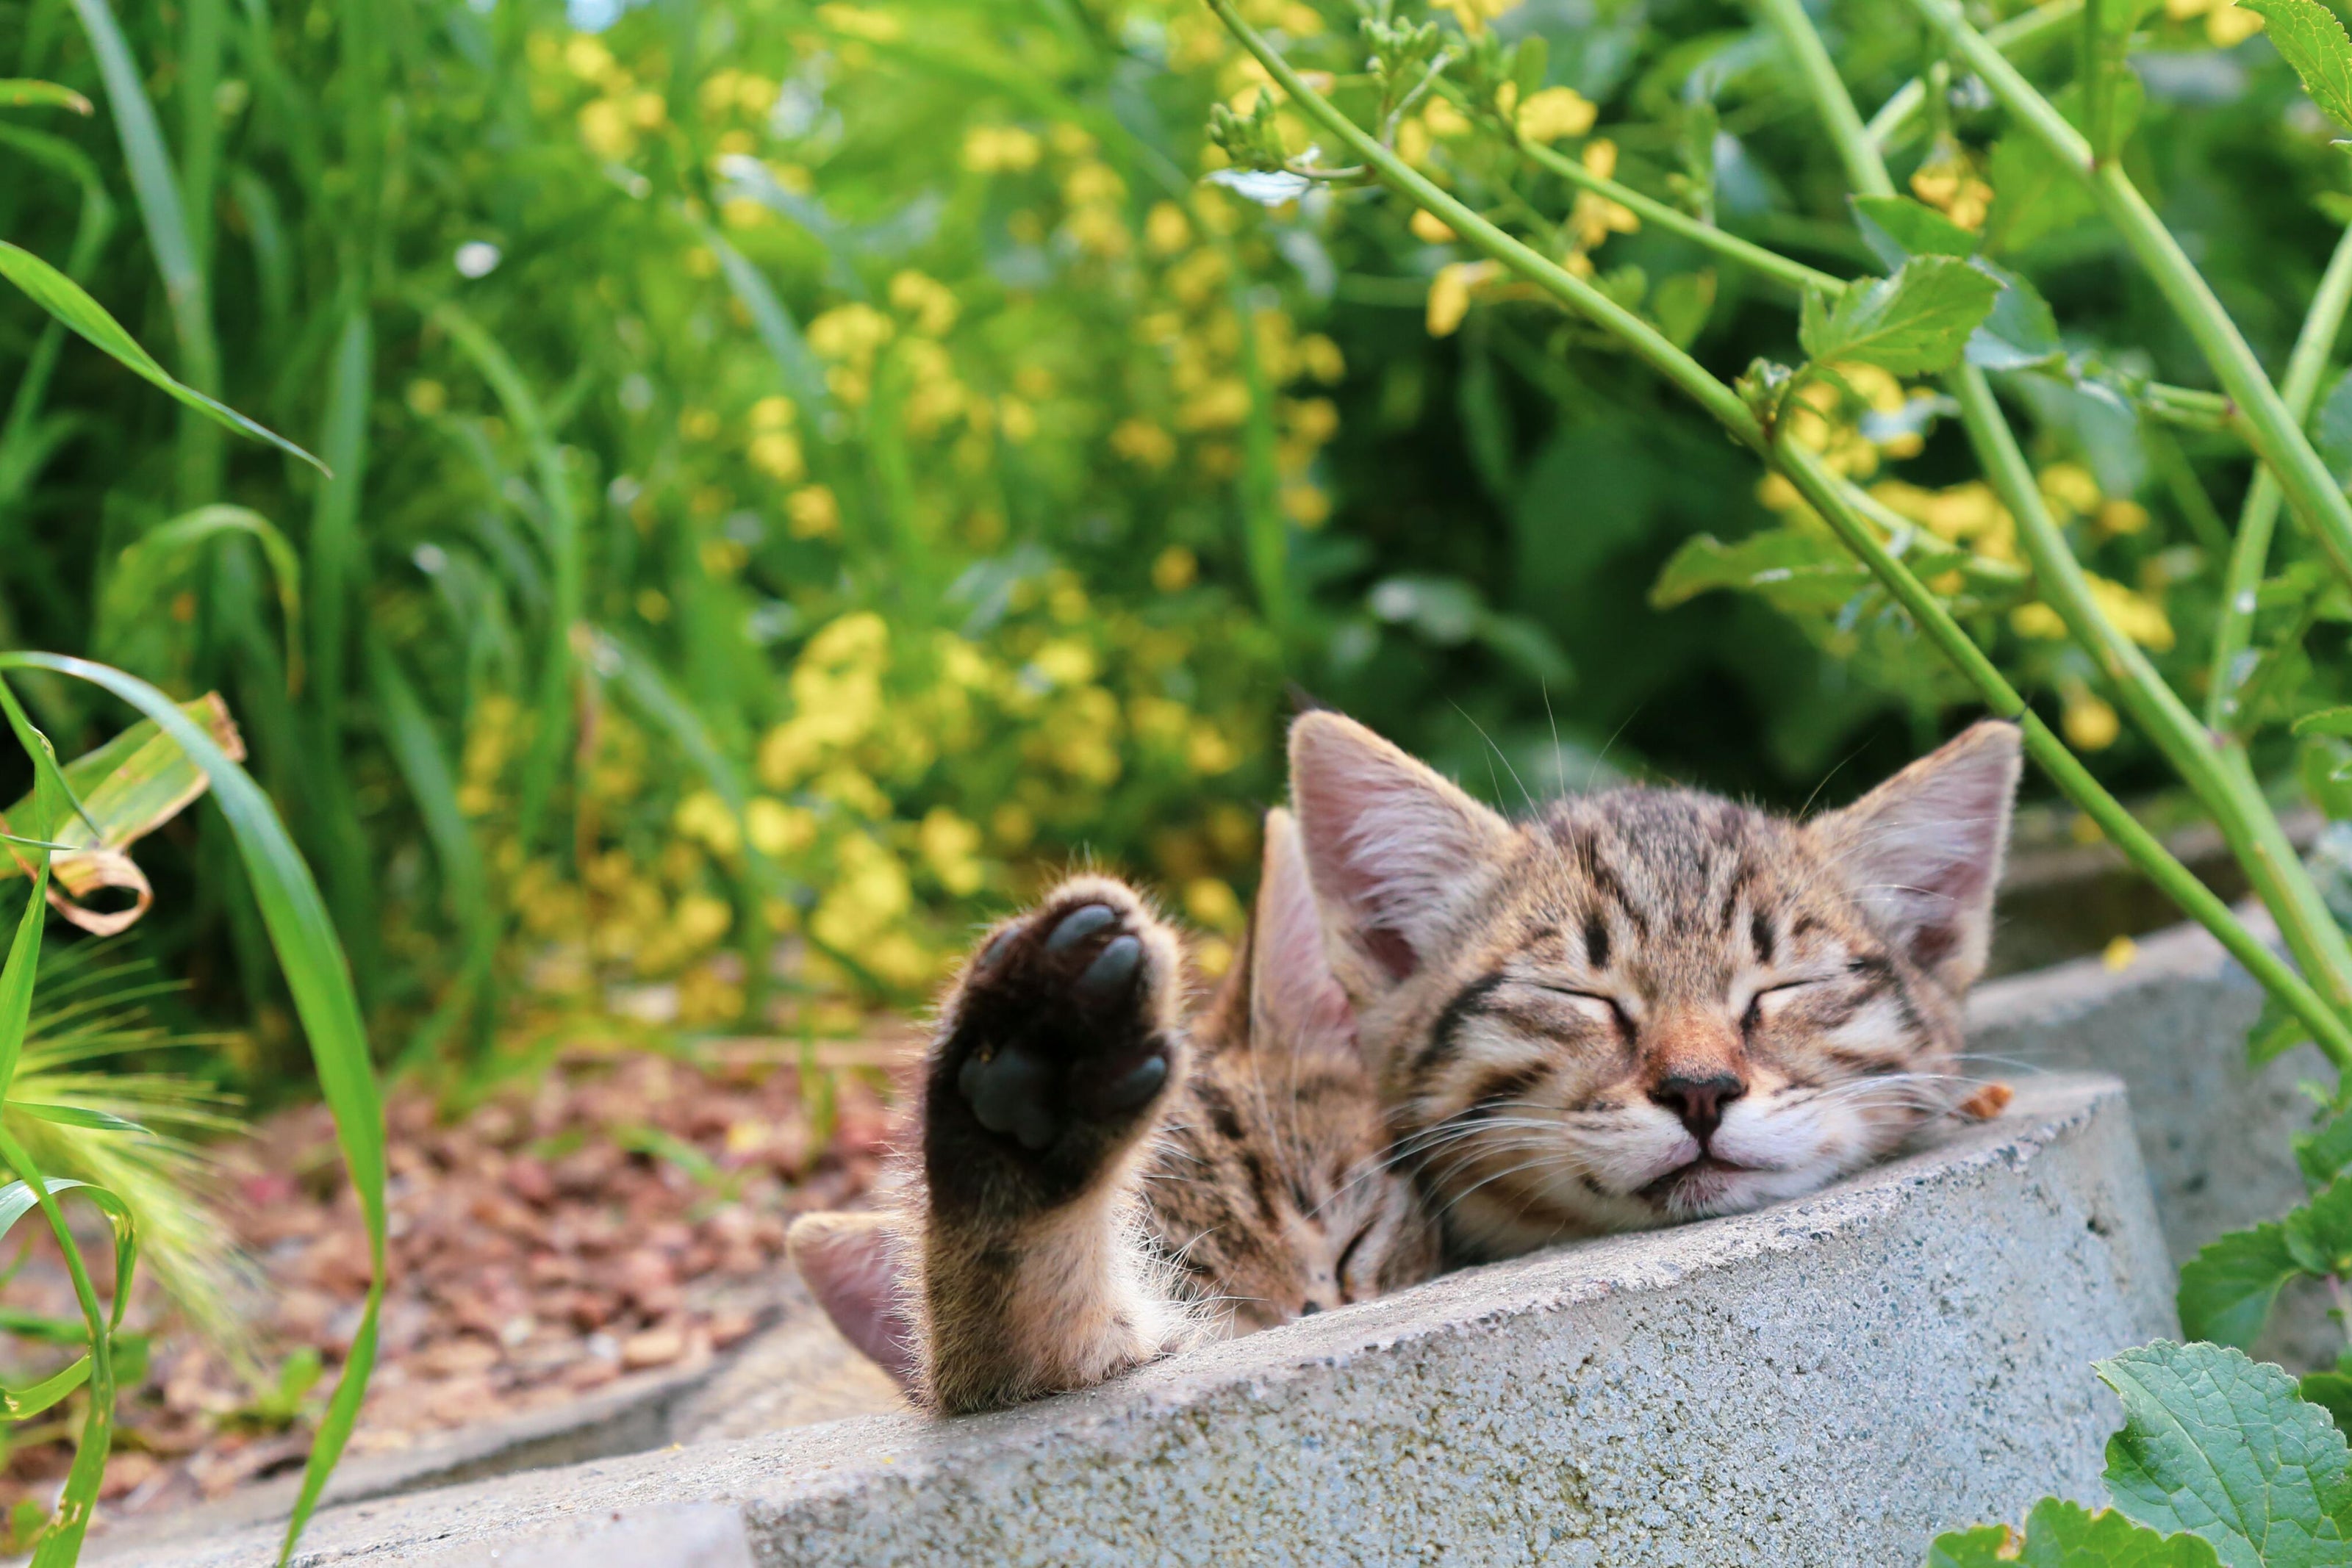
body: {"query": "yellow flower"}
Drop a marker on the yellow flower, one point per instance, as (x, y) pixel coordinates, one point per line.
(1449, 294)
(951, 847)
(778, 456)
(777, 828)
(1142, 443)
(812, 513)
(1428, 226)
(604, 129)
(2069, 488)
(1555, 112)
(929, 301)
(1305, 505)
(1319, 357)
(1174, 570)
(1211, 902)
(850, 332)
(701, 919)
(2119, 954)
(590, 61)
(704, 819)
(860, 23)
(2121, 516)
(2038, 621)
(2230, 26)
(1209, 752)
(990, 149)
(1167, 231)
(1065, 662)
(742, 212)
(1444, 120)
(2135, 615)
(1473, 14)
(2089, 721)
(774, 414)
(1220, 405)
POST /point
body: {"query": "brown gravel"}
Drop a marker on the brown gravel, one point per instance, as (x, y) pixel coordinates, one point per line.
(612, 1217)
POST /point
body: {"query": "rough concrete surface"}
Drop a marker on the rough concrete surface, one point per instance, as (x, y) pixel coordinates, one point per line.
(1824, 1383)
(2173, 1024)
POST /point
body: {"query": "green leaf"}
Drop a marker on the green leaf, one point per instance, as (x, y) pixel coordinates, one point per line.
(2324, 1153)
(2068, 1535)
(2319, 1235)
(2020, 333)
(62, 298)
(2332, 1392)
(2325, 721)
(76, 1116)
(2226, 1291)
(2315, 45)
(1912, 323)
(2276, 1033)
(2331, 429)
(2035, 194)
(17, 92)
(1897, 228)
(2224, 1447)
(1794, 572)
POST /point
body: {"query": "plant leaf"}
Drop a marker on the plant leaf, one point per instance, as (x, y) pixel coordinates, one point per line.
(1912, 323)
(2332, 1392)
(1793, 571)
(2324, 1153)
(2315, 45)
(2020, 332)
(2319, 1234)
(2226, 1291)
(2224, 1447)
(1897, 228)
(2325, 721)
(2068, 1535)
(62, 298)
(18, 92)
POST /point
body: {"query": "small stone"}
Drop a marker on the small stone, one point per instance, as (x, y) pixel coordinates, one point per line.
(653, 1347)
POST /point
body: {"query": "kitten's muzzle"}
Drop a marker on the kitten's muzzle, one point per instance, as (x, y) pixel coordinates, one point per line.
(1699, 1101)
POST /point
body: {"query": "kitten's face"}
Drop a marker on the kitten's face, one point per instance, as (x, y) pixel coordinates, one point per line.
(1649, 1006)
(1276, 1187)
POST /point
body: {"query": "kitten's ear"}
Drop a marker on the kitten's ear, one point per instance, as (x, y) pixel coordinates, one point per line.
(1394, 851)
(851, 1264)
(1921, 851)
(1295, 1002)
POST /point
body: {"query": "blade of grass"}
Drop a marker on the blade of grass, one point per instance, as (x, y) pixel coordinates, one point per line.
(321, 984)
(157, 190)
(18, 92)
(136, 585)
(63, 298)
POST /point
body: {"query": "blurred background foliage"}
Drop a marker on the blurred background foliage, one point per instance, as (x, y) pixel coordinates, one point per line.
(815, 472)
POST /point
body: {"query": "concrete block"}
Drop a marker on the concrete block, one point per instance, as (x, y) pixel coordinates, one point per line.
(1828, 1382)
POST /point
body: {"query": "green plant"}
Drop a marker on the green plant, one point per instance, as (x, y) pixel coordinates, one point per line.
(315, 971)
(1943, 309)
(2218, 1463)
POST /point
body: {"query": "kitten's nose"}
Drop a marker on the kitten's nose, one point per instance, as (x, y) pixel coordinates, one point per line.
(1699, 1102)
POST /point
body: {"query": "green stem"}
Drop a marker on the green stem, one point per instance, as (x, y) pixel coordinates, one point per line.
(2250, 556)
(1673, 220)
(1864, 170)
(2018, 36)
(2247, 823)
(2276, 433)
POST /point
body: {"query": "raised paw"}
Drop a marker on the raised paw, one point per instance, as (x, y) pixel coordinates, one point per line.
(1058, 1043)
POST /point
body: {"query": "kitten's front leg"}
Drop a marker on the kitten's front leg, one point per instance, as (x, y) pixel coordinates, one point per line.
(1056, 1054)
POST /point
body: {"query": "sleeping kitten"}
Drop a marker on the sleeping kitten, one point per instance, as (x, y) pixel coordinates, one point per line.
(1649, 1005)
(1102, 1181)
(1638, 1008)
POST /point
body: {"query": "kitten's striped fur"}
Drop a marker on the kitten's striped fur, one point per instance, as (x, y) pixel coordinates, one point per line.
(1630, 1009)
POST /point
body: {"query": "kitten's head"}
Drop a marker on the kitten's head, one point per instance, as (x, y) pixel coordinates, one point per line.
(1275, 1189)
(1649, 1005)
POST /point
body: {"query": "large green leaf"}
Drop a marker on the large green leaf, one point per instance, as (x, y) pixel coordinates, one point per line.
(64, 299)
(1897, 228)
(2224, 1447)
(2226, 1291)
(2068, 1535)
(1914, 323)
(1794, 571)
(2313, 42)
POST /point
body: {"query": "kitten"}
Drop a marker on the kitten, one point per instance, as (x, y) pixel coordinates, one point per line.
(1649, 1006)
(1102, 1181)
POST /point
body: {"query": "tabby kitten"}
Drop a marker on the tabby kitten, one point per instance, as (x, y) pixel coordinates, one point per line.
(1637, 1008)
(1649, 1005)
(1102, 1181)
